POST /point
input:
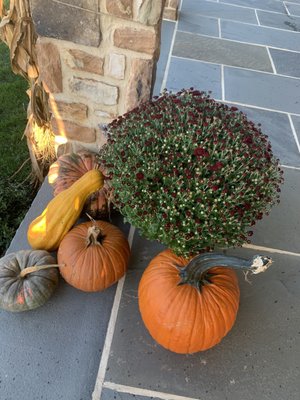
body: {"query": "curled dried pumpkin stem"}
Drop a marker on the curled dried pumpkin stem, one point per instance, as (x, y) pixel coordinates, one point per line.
(94, 233)
(94, 236)
(196, 272)
(35, 268)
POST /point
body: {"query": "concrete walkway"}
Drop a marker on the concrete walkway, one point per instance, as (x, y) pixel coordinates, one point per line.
(81, 346)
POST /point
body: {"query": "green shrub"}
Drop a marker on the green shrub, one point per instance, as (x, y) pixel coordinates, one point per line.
(15, 201)
(15, 197)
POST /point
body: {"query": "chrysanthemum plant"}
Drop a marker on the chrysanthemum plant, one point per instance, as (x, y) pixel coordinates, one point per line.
(190, 172)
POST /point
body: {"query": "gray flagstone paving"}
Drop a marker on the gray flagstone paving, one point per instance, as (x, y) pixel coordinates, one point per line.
(54, 352)
(263, 90)
(280, 230)
(278, 128)
(191, 73)
(281, 21)
(288, 40)
(108, 394)
(269, 5)
(296, 122)
(294, 9)
(167, 33)
(199, 24)
(286, 62)
(219, 10)
(221, 51)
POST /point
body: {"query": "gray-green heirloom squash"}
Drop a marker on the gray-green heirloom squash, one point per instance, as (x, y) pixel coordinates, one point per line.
(28, 278)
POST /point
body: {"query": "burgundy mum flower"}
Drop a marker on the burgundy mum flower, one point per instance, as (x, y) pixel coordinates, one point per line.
(267, 156)
(248, 140)
(208, 170)
(218, 165)
(247, 206)
(140, 176)
(200, 152)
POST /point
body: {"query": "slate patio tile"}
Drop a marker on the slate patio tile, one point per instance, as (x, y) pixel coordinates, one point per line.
(42, 343)
(185, 73)
(167, 31)
(286, 62)
(296, 123)
(146, 250)
(198, 24)
(219, 10)
(262, 89)
(269, 5)
(242, 366)
(294, 9)
(108, 394)
(221, 51)
(278, 128)
(280, 229)
(260, 35)
(282, 21)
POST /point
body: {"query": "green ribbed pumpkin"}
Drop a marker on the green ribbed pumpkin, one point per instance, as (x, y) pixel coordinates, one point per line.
(28, 279)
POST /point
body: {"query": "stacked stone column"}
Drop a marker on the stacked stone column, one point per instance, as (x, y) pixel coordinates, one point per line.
(171, 9)
(97, 60)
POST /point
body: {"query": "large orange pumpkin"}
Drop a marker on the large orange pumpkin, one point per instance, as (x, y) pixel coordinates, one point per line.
(94, 256)
(190, 306)
(68, 169)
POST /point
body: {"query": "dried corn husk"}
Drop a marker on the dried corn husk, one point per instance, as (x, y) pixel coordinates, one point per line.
(18, 32)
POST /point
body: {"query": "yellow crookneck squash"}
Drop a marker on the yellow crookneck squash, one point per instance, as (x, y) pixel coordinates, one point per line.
(48, 229)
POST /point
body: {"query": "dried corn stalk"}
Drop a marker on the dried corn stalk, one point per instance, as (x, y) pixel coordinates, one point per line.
(17, 31)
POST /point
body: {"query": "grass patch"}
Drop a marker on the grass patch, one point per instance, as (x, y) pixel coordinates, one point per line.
(16, 193)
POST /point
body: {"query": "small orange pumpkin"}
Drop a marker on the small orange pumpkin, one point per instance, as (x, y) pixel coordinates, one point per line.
(190, 305)
(68, 169)
(94, 254)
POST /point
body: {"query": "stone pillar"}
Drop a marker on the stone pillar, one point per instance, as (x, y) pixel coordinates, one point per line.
(171, 10)
(97, 60)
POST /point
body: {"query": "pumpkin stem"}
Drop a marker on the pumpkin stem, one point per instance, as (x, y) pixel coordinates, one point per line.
(91, 218)
(35, 268)
(94, 236)
(196, 272)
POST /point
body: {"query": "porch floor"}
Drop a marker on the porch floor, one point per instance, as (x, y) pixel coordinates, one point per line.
(81, 346)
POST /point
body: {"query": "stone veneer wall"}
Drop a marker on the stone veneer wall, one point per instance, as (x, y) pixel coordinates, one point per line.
(171, 9)
(97, 60)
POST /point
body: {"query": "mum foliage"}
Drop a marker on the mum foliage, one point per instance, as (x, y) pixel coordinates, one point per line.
(189, 172)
